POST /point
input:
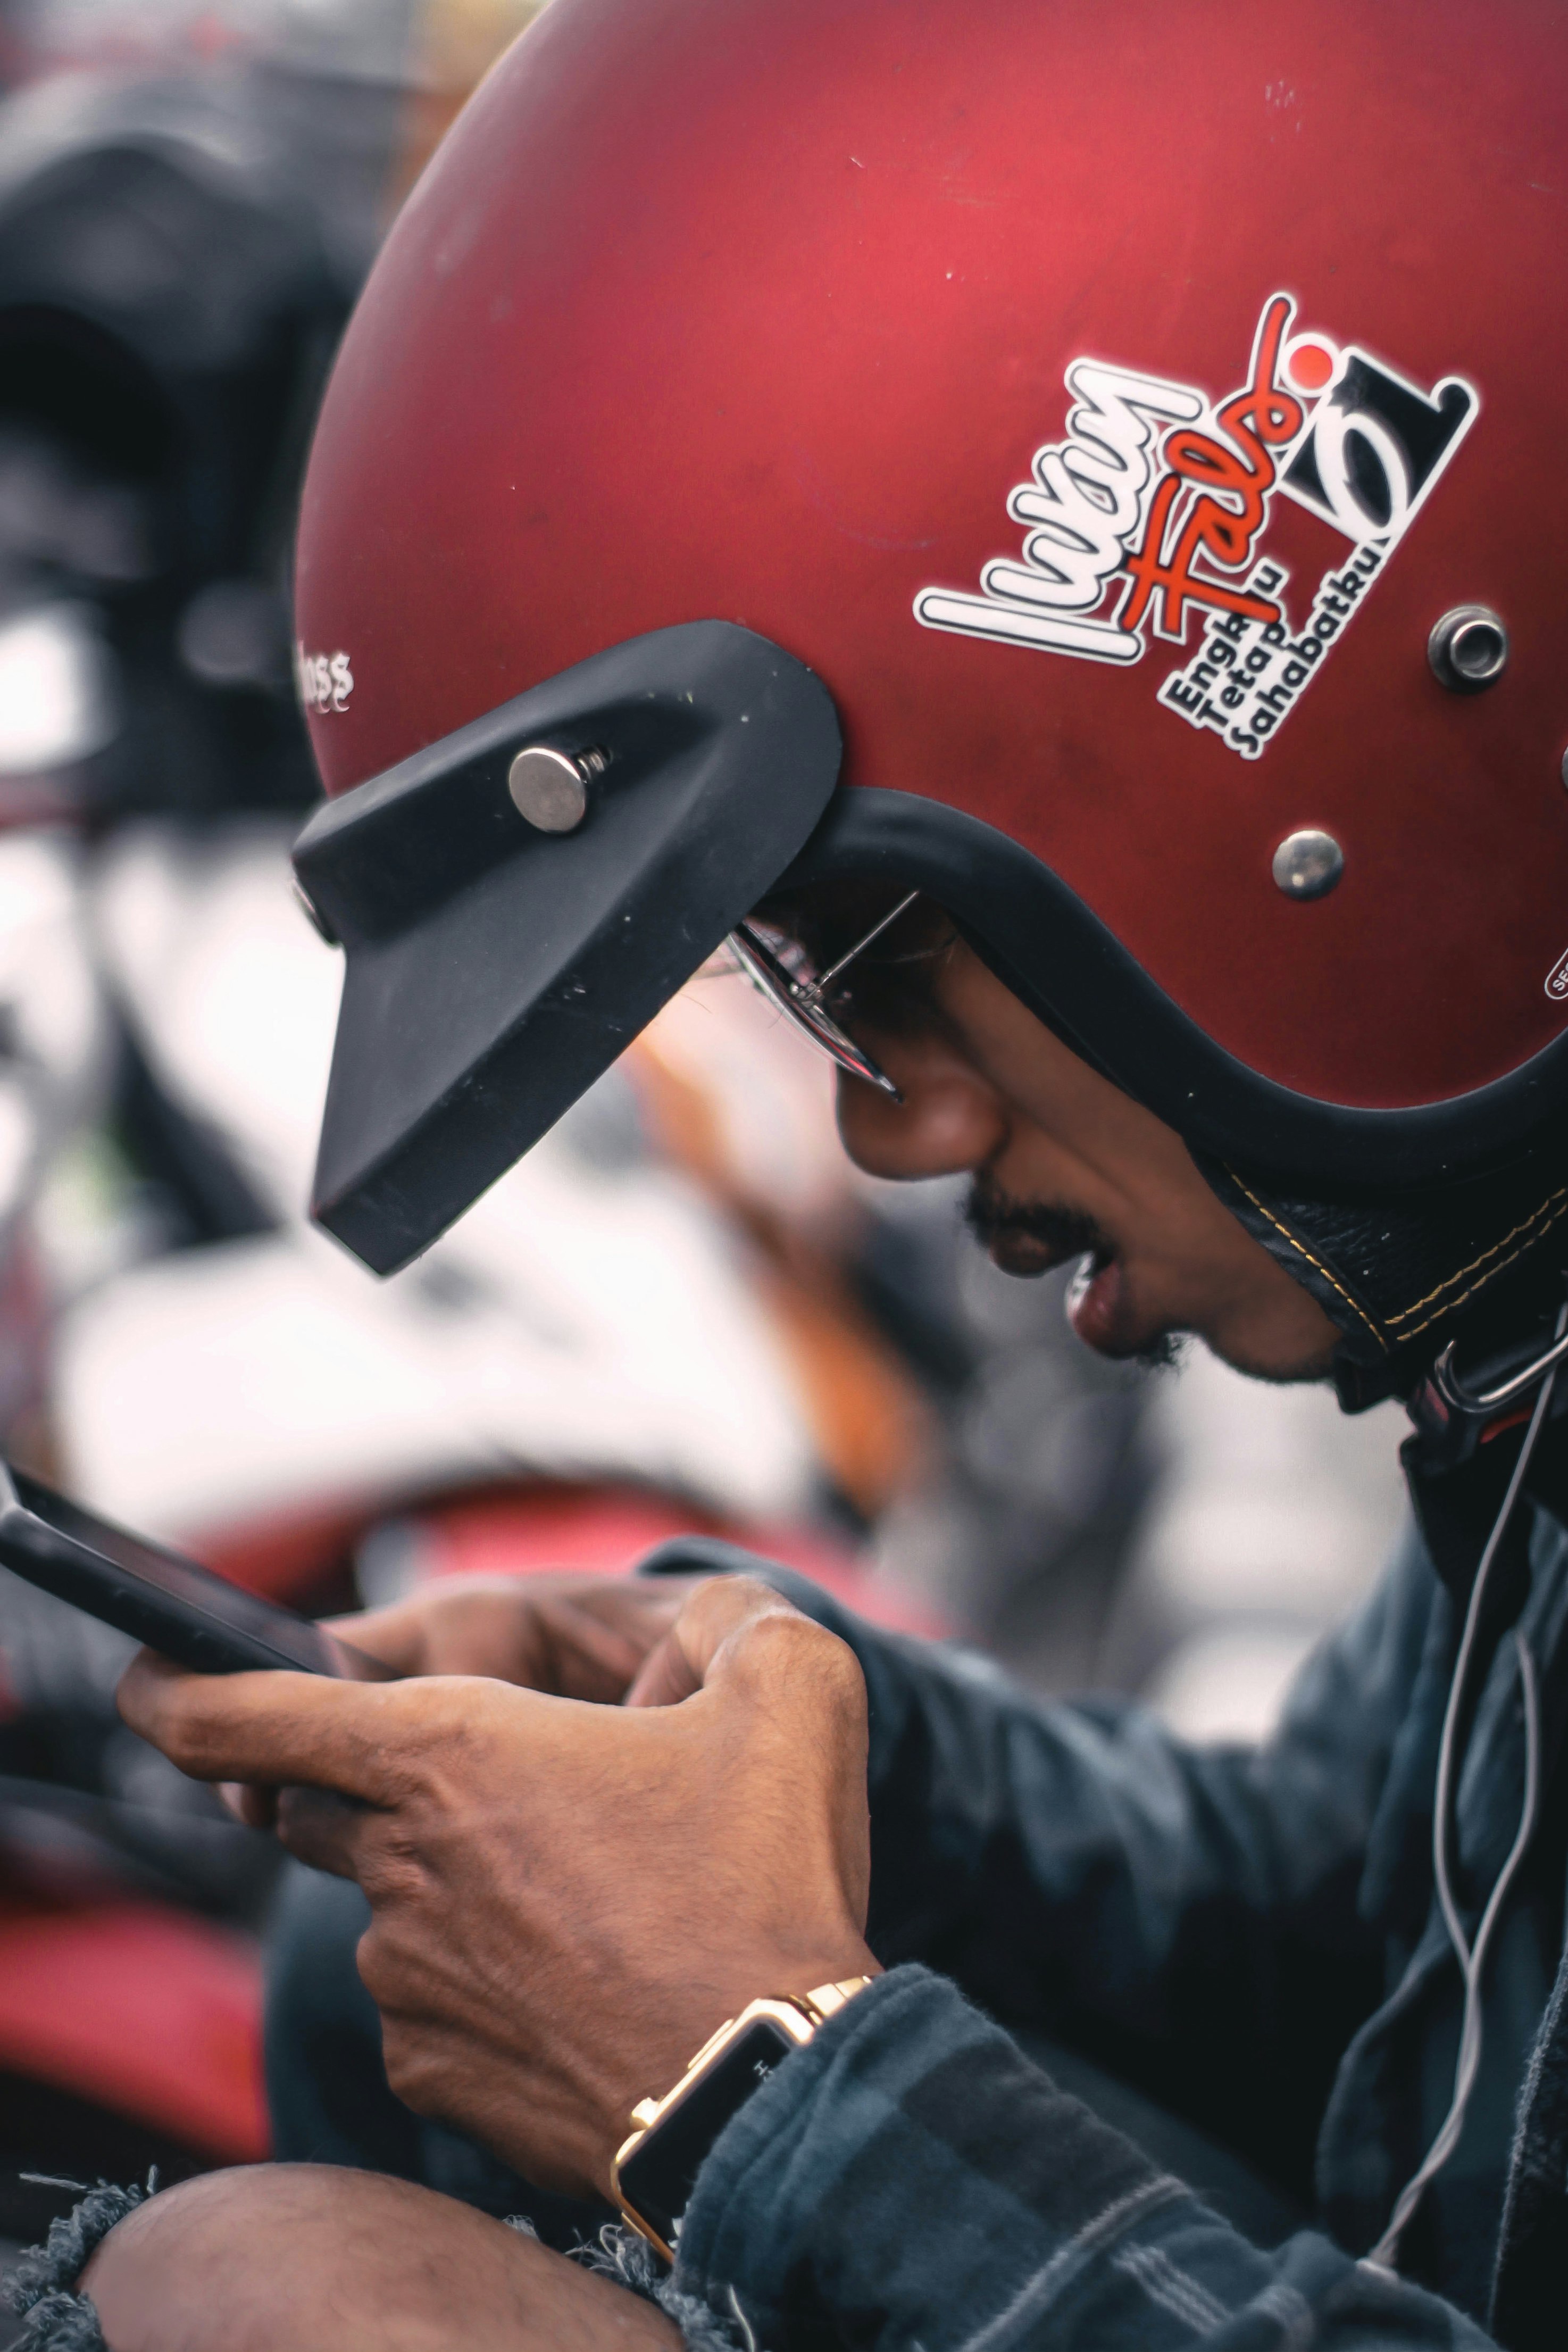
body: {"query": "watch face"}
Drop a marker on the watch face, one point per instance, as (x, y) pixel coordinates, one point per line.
(658, 2178)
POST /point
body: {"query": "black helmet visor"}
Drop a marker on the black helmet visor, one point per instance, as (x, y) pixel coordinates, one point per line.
(510, 924)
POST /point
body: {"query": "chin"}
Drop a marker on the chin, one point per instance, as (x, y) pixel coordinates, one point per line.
(1278, 1362)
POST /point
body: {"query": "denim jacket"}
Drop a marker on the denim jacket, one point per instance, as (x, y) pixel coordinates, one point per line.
(1251, 1935)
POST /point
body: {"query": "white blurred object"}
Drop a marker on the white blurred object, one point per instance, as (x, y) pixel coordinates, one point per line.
(1229, 1683)
(58, 702)
(766, 1092)
(1273, 1514)
(408, 45)
(92, 1217)
(589, 1317)
(1272, 1498)
(258, 1378)
(233, 996)
(52, 1029)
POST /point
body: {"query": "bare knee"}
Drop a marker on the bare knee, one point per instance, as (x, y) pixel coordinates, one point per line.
(309, 2258)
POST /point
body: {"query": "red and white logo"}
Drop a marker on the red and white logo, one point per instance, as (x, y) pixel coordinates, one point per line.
(1156, 504)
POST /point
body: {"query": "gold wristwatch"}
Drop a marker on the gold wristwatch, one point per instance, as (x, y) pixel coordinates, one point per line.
(656, 2171)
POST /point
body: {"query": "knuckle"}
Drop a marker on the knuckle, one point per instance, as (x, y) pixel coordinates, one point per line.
(384, 1733)
(398, 2052)
(756, 1594)
(380, 1972)
(841, 1669)
(391, 1868)
(371, 1958)
(441, 1728)
(406, 2054)
(394, 1969)
(791, 1643)
(722, 1605)
(798, 1663)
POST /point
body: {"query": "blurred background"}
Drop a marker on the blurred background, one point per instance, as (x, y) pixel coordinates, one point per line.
(684, 1310)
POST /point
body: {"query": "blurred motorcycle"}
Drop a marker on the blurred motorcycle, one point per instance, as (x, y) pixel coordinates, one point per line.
(683, 1312)
(608, 1351)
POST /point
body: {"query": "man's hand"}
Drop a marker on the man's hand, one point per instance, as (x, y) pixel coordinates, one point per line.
(576, 1636)
(566, 1899)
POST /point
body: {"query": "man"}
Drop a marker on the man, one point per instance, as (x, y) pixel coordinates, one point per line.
(1191, 871)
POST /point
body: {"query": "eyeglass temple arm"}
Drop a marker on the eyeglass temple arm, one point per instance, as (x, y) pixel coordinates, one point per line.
(814, 991)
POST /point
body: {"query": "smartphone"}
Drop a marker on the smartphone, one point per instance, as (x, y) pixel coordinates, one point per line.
(159, 1597)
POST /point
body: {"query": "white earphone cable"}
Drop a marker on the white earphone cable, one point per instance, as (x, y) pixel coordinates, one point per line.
(1472, 1958)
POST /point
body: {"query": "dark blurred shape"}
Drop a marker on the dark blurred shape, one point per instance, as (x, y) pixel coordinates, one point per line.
(177, 256)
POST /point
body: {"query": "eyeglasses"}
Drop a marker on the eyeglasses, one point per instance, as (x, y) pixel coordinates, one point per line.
(784, 976)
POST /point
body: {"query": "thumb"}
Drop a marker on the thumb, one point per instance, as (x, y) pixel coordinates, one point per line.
(794, 1689)
(395, 1636)
(719, 1611)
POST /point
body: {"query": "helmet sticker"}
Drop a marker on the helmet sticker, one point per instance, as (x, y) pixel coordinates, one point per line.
(324, 681)
(1155, 502)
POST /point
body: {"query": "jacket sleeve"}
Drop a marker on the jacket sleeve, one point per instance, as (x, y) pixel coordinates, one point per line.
(908, 2179)
(1186, 1916)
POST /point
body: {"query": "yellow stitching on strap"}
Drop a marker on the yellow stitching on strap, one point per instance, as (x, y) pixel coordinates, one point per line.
(1455, 1302)
(1535, 1215)
(1301, 1247)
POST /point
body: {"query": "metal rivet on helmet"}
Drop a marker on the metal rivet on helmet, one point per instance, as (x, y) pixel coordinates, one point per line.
(550, 787)
(1307, 864)
(1468, 649)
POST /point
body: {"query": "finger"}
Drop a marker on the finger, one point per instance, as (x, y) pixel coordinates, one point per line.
(325, 1830)
(664, 1677)
(458, 1625)
(397, 1635)
(717, 1614)
(273, 1728)
(257, 1808)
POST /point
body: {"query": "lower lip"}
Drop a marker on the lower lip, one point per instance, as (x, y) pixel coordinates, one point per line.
(1094, 1303)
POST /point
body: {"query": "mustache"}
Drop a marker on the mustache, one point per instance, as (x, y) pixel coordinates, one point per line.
(1058, 1232)
(1050, 1234)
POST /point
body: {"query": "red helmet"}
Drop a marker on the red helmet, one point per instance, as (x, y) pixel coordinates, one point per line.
(1137, 429)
